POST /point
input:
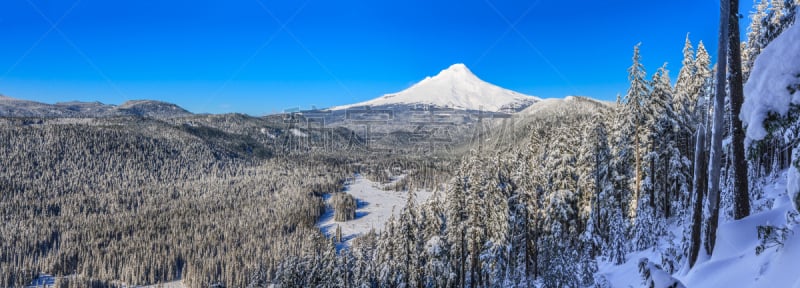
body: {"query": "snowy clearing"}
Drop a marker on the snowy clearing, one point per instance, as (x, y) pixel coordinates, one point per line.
(375, 206)
(173, 284)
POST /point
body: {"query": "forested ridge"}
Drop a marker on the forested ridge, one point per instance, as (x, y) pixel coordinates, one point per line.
(147, 203)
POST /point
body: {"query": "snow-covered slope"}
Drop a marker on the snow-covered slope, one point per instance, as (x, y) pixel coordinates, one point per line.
(455, 87)
(570, 104)
(735, 262)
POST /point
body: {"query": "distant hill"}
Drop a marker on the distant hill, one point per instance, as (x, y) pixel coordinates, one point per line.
(12, 107)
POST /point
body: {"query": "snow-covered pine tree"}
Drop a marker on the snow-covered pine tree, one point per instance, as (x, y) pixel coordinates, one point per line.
(475, 224)
(455, 229)
(585, 168)
(385, 261)
(635, 100)
(518, 222)
(755, 37)
(702, 81)
(364, 250)
(594, 181)
(777, 11)
(408, 246)
(560, 245)
(650, 216)
(685, 95)
(674, 165)
(621, 193)
(656, 105)
(499, 188)
(328, 270)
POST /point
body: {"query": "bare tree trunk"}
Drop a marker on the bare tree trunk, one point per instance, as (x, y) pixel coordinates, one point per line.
(716, 133)
(638, 170)
(740, 190)
(653, 180)
(667, 190)
(700, 182)
(462, 272)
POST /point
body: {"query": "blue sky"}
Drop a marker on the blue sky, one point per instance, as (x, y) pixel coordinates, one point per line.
(263, 56)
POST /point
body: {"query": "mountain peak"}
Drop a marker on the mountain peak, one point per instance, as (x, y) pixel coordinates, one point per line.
(456, 71)
(458, 68)
(455, 87)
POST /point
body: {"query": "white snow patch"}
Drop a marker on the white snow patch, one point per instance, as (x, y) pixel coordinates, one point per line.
(628, 275)
(455, 87)
(375, 206)
(298, 133)
(173, 284)
(775, 69)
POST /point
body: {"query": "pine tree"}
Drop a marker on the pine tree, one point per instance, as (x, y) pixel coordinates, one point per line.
(476, 230)
(685, 90)
(777, 12)
(656, 106)
(755, 36)
(385, 259)
(635, 100)
(455, 228)
(519, 224)
(407, 248)
(595, 184)
(621, 175)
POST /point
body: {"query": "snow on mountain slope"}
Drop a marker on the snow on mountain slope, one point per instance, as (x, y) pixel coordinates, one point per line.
(570, 104)
(455, 87)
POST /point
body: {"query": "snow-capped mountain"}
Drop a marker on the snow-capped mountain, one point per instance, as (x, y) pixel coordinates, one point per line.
(455, 87)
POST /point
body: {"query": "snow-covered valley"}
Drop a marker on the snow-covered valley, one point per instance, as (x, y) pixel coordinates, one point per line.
(375, 206)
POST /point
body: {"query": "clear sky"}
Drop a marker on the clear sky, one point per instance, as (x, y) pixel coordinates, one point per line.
(263, 56)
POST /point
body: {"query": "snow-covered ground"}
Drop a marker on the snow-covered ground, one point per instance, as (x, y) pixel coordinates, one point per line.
(375, 206)
(49, 281)
(173, 284)
(734, 263)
